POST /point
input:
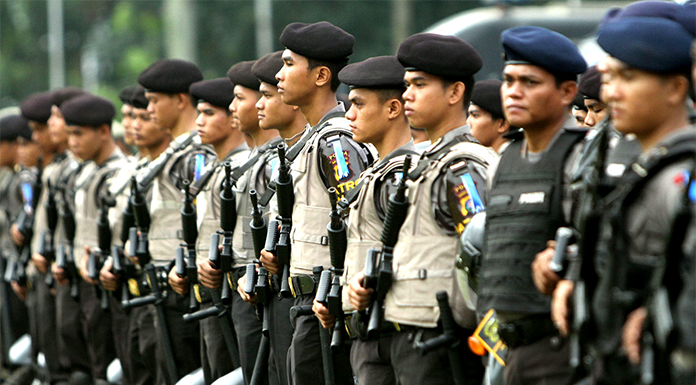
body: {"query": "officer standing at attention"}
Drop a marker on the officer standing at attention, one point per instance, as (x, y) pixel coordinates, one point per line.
(589, 87)
(215, 128)
(486, 118)
(324, 157)
(447, 190)
(377, 117)
(529, 198)
(290, 123)
(166, 84)
(127, 118)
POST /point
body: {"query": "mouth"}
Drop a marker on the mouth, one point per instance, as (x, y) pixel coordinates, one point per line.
(408, 111)
(281, 89)
(514, 107)
(261, 116)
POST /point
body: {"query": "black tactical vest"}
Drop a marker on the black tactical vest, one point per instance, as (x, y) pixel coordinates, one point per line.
(523, 213)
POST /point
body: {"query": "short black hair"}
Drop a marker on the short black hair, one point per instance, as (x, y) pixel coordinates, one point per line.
(469, 84)
(564, 77)
(334, 67)
(384, 94)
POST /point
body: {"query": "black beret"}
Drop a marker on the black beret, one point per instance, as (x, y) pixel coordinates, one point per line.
(543, 48)
(579, 102)
(138, 99)
(37, 107)
(320, 41)
(218, 92)
(170, 76)
(126, 94)
(266, 68)
(13, 127)
(241, 74)
(590, 83)
(62, 95)
(647, 43)
(487, 96)
(88, 110)
(445, 56)
(375, 72)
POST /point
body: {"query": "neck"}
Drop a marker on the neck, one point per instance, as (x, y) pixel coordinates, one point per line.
(47, 158)
(294, 129)
(105, 152)
(262, 136)
(675, 121)
(395, 136)
(186, 122)
(143, 151)
(539, 136)
(497, 143)
(451, 121)
(224, 147)
(156, 150)
(322, 103)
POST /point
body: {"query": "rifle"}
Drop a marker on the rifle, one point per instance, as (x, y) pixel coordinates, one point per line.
(47, 240)
(324, 337)
(565, 238)
(338, 243)
(259, 232)
(396, 215)
(260, 366)
(448, 339)
(98, 256)
(25, 224)
(190, 230)
(64, 253)
(122, 267)
(286, 201)
(258, 224)
(137, 202)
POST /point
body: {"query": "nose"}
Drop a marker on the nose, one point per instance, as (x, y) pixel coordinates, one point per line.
(150, 108)
(200, 120)
(280, 75)
(350, 114)
(407, 95)
(260, 105)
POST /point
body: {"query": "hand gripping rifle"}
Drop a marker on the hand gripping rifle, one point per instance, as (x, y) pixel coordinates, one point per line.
(447, 339)
(186, 266)
(46, 246)
(338, 243)
(286, 201)
(396, 215)
(25, 225)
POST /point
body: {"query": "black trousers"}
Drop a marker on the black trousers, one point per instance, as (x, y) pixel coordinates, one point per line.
(120, 323)
(280, 334)
(185, 338)
(141, 341)
(72, 343)
(42, 318)
(215, 356)
(96, 324)
(543, 362)
(392, 359)
(248, 328)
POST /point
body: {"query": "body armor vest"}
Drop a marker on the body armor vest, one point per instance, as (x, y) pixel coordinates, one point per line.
(524, 211)
(40, 218)
(424, 256)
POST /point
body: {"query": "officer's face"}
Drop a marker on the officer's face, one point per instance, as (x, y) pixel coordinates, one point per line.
(295, 80)
(213, 123)
(272, 112)
(244, 110)
(147, 133)
(56, 127)
(127, 123)
(367, 115)
(579, 115)
(163, 108)
(426, 99)
(85, 142)
(628, 91)
(27, 153)
(531, 97)
(596, 111)
(483, 126)
(42, 137)
(8, 152)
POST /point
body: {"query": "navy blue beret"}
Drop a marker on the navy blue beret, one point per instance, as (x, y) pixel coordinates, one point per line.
(138, 99)
(62, 95)
(126, 94)
(13, 127)
(37, 107)
(242, 75)
(88, 110)
(579, 102)
(218, 92)
(590, 83)
(647, 43)
(320, 41)
(685, 15)
(487, 96)
(375, 72)
(170, 76)
(445, 56)
(266, 68)
(543, 48)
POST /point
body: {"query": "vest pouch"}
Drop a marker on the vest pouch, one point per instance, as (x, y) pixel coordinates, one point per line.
(310, 242)
(356, 252)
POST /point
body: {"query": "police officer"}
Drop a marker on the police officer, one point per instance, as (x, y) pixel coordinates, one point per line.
(486, 118)
(215, 127)
(589, 87)
(579, 110)
(290, 123)
(376, 116)
(324, 157)
(541, 66)
(126, 95)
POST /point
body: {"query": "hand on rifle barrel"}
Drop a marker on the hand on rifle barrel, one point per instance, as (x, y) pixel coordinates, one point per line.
(560, 303)
(179, 284)
(270, 262)
(241, 283)
(59, 275)
(632, 334)
(40, 262)
(108, 280)
(17, 236)
(545, 279)
(359, 296)
(322, 312)
(21, 291)
(208, 275)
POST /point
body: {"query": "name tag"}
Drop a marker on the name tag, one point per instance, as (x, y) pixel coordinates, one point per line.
(532, 198)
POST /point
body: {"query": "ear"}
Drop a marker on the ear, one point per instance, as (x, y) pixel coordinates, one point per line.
(181, 100)
(394, 108)
(677, 88)
(503, 126)
(104, 129)
(568, 90)
(455, 93)
(323, 76)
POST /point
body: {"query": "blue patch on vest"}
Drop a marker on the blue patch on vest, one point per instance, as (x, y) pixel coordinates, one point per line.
(470, 187)
(198, 166)
(343, 171)
(27, 193)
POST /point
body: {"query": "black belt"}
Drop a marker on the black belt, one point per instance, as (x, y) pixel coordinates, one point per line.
(301, 285)
(527, 330)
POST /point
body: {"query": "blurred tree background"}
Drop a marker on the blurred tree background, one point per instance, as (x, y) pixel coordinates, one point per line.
(108, 42)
